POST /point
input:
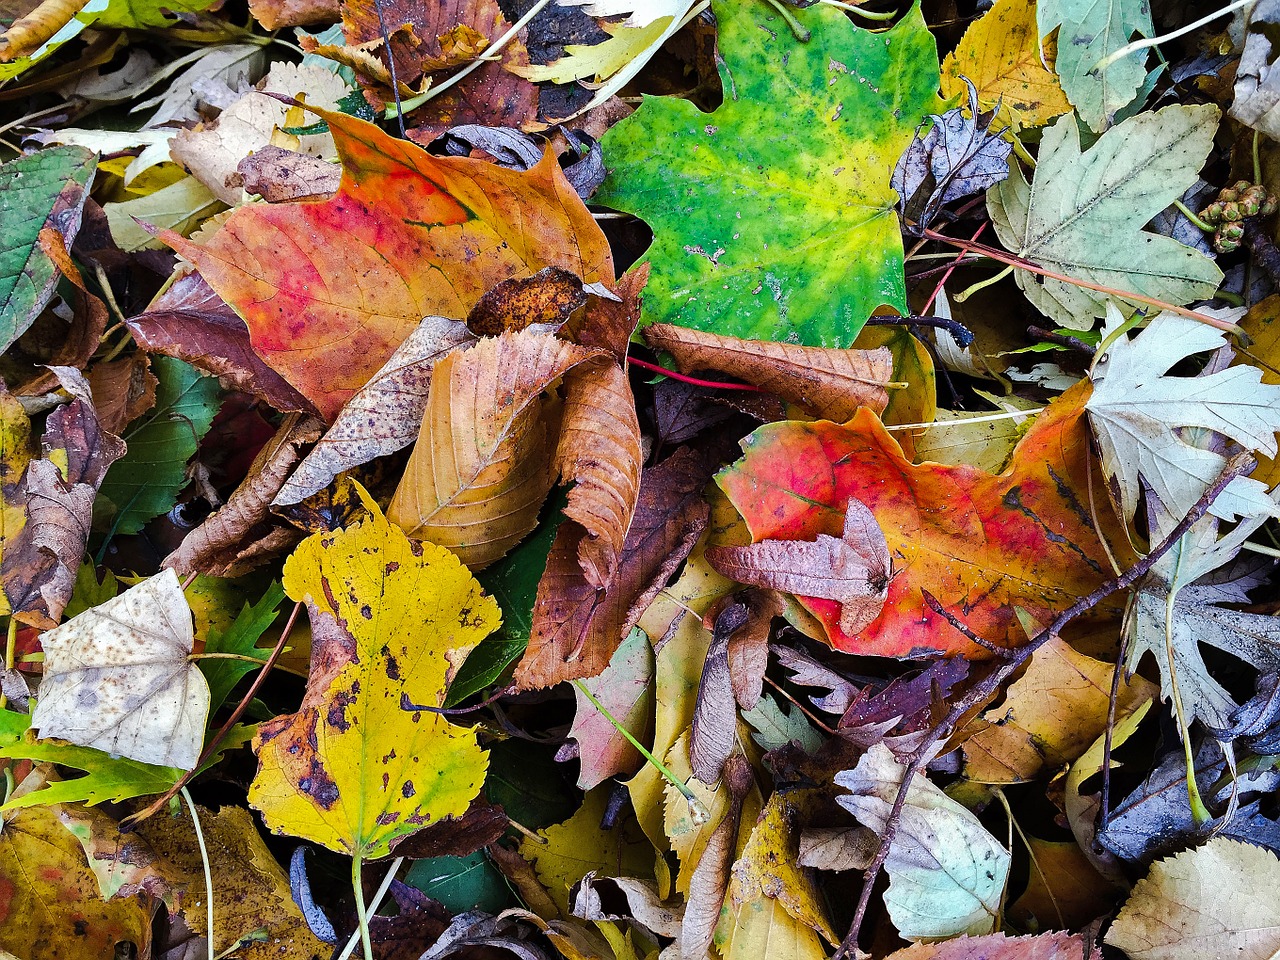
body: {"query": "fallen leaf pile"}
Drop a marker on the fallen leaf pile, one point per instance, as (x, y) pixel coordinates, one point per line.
(633, 479)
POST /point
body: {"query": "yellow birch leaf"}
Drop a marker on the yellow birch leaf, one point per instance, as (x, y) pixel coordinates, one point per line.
(363, 763)
(1000, 54)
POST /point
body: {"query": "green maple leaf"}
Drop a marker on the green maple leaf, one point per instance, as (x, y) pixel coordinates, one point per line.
(772, 216)
(240, 638)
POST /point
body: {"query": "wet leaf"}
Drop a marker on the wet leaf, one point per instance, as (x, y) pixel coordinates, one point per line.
(327, 323)
(739, 236)
(390, 624)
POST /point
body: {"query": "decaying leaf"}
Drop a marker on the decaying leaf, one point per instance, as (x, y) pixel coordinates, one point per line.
(999, 946)
(117, 678)
(455, 227)
(1214, 900)
(624, 689)
(853, 570)
(946, 872)
(365, 762)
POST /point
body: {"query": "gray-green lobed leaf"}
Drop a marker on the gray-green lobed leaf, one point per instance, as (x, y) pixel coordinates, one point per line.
(1088, 32)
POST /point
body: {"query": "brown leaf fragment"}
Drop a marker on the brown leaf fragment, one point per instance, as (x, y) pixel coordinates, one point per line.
(191, 322)
(832, 384)
(683, 410)
(997, 946)
(715, 721)
(710, 879)
(837, 848)
(282, 176)
(385, 415)
(481, 467)
(483, 823)
(245, 518)
(608, 324)
(90, 313)
(600, 450)
(808, 672)
(39, 566)
(275, 14)
(902, 713)
(123, 390)
(590, 898)
(576, 628)
(550, 296)
(853, 569)
(749, 646)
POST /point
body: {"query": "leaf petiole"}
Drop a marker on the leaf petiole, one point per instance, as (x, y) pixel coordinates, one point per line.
(697, 810)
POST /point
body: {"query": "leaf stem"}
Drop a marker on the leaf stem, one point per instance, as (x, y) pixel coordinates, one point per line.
(1187, 212)
(1149, 42)
(697, 809)
(866, 14)
(227, 656)
(10, 648)
(973, 288)
(362, 914)
(799, 29)
(376, 902)
(208, 872)
(712, 384)
(1030, 267)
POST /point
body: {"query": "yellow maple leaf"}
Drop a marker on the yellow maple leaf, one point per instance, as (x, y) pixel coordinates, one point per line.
(1000, 54)
(362, 765)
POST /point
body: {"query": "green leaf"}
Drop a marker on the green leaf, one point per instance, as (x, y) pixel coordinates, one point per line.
(88, 592)
(122, 14)
(106, 777)
(222, 674)
(145, 482)
(1092, 30)
(462, 883)
(772, 728)
(47, 188)
(1083, 212)
(773, 217)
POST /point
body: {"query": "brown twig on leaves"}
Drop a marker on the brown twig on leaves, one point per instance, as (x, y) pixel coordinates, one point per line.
(987, 687)
(132, 821)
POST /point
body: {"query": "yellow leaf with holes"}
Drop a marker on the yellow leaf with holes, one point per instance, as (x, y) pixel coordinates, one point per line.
(1001, 56)
(365, 762)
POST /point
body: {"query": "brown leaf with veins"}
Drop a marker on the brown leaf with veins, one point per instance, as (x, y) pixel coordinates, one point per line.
(608, 324)
(482, 465)
(90, 317)
(281, 176)
(191, 322)
(385, 415)
(550, 296)
(38, 569)
(709, 881)
(600, 450)
(833, 384)
(713, 733)
(123, 390)
(576, 628)
(274, 14)
(245, 518)
(749, 646)
(852, 569)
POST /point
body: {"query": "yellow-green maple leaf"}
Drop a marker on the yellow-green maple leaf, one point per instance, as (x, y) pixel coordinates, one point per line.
(362, 765)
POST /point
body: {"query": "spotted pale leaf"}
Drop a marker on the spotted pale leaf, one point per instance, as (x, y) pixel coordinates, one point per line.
(364, 762)
(745, 243)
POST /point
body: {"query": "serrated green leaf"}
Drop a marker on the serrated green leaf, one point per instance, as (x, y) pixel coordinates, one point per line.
(1083, 212)
(43, 189)
(241, 638)
(145, 482)
(1088, 32)
(773, 217)
(106, 777)
(772, 728)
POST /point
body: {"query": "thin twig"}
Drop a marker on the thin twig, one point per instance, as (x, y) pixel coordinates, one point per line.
(984, 689)
(132, 821)
(932, 603)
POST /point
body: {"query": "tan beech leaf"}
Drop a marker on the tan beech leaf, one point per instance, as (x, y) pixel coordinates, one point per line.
(1218, 900)
(852, 569)
(245, 517)
(482, 464)
(837, 848)
(749, 646)
(600, 450)
(384, 415)
(997, 946)
(833, 384)
(118, 678)
(576, 628)
(710, 878)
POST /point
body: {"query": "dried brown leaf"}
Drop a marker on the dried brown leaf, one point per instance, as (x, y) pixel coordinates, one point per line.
(853, 569)
(123, 390)
(710, 879)
(997, 946)
(832, 384)
(715, 719)
(608, 324)
(576, 628)
(749, 646)
(386, 413)
(281, 176)
(90, 313)
(550, 296)
(244, 519)
(191, 322)
(482, 464)
(600, 450)
(837, 848)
